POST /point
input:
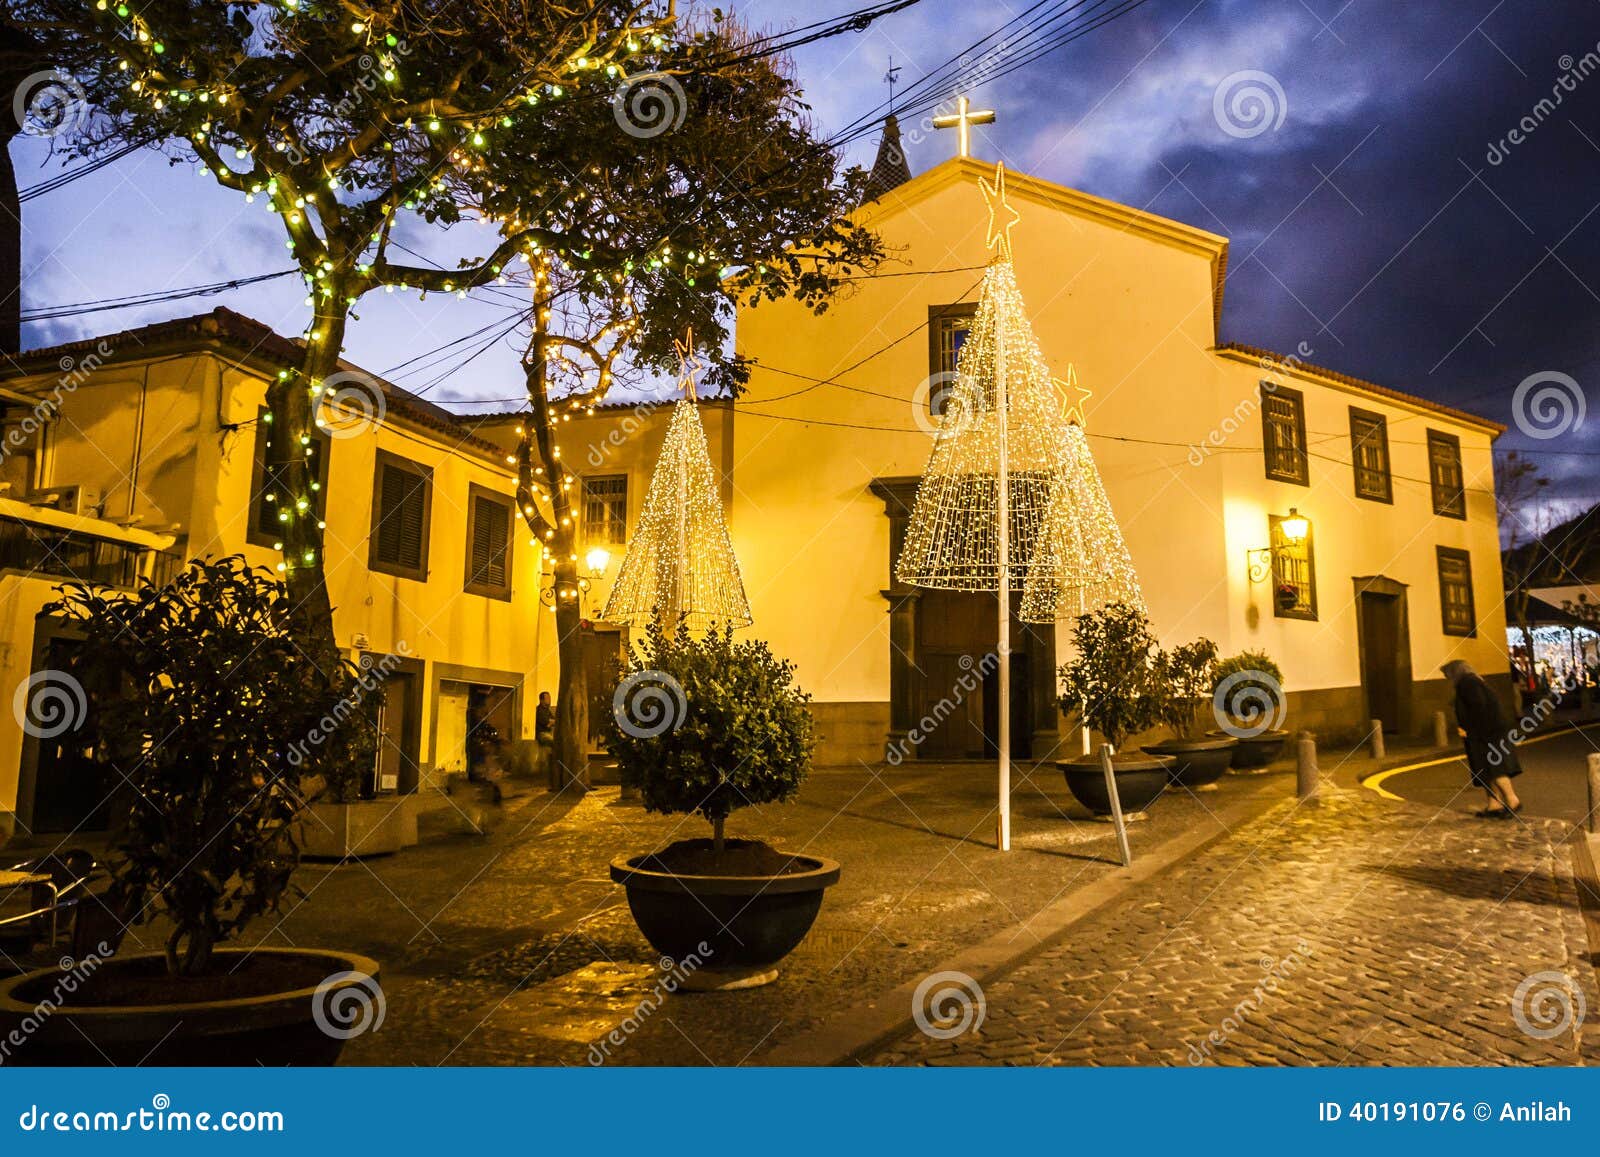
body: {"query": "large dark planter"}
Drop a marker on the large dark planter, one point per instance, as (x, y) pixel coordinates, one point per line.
(724, 931)
(1140, 781)
(281, 1028)
(1196, 762)
(1255, 752)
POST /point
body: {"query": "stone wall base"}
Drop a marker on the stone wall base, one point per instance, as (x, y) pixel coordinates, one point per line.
(850, 733)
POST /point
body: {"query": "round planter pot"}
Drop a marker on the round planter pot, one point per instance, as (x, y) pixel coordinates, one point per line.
(1254, 752)
(1196, 762)
(723, 932)
(278, 1028)
(1140, 780)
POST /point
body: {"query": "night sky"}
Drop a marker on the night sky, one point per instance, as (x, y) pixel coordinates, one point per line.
(1369, 223)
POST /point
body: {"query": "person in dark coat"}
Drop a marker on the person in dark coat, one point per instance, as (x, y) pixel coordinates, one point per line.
(1490, 743)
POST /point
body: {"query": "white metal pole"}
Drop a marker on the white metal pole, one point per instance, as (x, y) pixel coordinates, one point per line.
(1004, 504)
(1115, 796)
(1083, 718)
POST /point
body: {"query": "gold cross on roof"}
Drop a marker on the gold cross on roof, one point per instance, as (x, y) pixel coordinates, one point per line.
(962, 120)
(1074, 395)
(998, 237)
(688, 365)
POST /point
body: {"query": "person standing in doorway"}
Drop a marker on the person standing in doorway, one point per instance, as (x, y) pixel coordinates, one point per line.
(1489, 743)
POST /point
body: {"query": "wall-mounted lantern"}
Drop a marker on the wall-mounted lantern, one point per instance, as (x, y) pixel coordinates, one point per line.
(1295, 528)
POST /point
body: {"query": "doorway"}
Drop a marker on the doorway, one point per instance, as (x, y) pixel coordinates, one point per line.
(603, 658)
(476, 723)
(1385, 642)
(63, 786)
(398, 721)
(943, 668)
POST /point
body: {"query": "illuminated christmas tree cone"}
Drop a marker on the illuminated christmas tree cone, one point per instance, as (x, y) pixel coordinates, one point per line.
(983, 497)
(953, 540)
(680, 567)
(1081, 562)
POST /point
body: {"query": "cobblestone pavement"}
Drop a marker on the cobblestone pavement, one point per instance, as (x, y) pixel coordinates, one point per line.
(1352, 931)
(517, 948)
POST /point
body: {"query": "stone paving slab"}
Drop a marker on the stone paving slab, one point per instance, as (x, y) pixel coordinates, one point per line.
(1351, 931)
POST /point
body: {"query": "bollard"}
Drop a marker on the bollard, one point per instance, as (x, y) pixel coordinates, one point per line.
(1376, 738)
(1306, 773)
(1441, 730)
(1591, 822)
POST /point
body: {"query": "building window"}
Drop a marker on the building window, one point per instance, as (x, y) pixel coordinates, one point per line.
(1294, 574)
(605, 510)
(1455, 592)
(1369, 454)
(489, 528)
(1283, 434)
(1444, 473)
(402, 494)
(948, 326)
(265, 525)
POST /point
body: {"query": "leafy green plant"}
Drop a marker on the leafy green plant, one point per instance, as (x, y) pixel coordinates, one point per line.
(708, 725)
(1112, 683)
(216, 717)
(1184, 683)
(1250, 677)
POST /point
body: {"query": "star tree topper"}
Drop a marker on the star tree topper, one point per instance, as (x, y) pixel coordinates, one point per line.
(689, 366)
(1002, 217)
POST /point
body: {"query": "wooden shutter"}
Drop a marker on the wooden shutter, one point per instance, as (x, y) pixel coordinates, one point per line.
(490, 536)
(1283, 435)
(402, 505)
(1369, 452)
(1444, 472)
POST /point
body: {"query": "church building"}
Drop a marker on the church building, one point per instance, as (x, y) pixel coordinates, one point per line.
(1207, 449)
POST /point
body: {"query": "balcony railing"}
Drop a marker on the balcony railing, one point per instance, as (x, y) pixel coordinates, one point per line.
(71, 554)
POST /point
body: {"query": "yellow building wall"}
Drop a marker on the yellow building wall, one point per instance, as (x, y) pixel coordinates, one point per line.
(171, 440)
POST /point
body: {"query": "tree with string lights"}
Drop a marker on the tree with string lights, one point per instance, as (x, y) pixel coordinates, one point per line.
(342, 119)
(703, 185)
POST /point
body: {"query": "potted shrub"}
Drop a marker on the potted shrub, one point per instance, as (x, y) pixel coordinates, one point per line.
(707, 726)
(1183, 689)
(212, 695)
(1112, 686)
(1248, 703)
